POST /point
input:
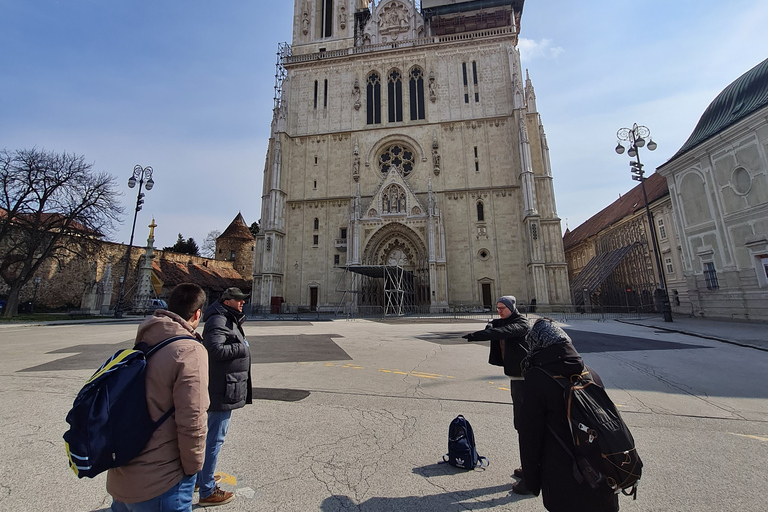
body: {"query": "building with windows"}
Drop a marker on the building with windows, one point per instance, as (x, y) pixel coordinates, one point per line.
(718, 183)
(407, 164)
(610, 256)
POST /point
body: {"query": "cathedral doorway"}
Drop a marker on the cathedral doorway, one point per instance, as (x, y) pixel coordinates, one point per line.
(396, 245)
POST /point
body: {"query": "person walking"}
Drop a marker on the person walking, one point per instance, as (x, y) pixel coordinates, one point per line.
(547, 467)
(508, 349)
(229, 386)
(162, 476)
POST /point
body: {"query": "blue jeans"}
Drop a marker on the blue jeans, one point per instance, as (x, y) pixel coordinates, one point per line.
(218, 424)
(176, 499)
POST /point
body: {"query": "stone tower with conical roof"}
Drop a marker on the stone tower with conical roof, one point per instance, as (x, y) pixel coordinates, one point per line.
(236, 244)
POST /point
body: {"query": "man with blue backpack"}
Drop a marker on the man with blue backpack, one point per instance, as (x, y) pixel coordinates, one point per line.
(162, 476)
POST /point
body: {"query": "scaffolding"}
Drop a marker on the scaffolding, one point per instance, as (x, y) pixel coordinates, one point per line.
(387, 288)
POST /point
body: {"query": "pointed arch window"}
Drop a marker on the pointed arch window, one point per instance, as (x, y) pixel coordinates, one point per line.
(480, 211)
(316, 224)
(373, 98)
(395, 96)
(416, 83)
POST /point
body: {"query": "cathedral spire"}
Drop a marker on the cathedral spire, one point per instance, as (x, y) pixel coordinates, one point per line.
(530, 94)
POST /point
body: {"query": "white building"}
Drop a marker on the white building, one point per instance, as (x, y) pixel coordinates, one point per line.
(718, 182)
(407, 140)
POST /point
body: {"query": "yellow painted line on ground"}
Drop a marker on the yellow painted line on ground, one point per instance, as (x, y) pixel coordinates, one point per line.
(750, 437)
(503, 389)
(399, 372)
(227, 479)
(385, 371)
(425, 376)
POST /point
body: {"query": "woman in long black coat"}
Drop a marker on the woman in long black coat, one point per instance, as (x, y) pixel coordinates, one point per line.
(547, 467)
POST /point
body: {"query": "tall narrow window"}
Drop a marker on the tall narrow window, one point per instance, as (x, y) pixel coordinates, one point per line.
(710, 275)
(373, 99)
(315, 93)
(417, 94)
(325, 94)
(327, 18)
(315, 239)
(395, 96)
(480, 212)
(662, 229)
(474, 80)
(464, 73)
(316, 224)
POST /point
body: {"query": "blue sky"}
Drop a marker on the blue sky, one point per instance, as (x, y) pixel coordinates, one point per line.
(187, 87)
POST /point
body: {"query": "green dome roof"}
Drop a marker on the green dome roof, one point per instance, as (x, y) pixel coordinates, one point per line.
(745, 95)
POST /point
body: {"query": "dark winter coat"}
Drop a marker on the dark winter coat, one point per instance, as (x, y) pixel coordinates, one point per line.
(229, 358)
(546, 465)
(511, 332)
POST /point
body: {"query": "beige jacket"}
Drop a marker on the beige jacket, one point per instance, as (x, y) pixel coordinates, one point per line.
(177, 375)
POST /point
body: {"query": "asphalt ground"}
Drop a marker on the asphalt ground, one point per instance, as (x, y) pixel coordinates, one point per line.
(353, 415)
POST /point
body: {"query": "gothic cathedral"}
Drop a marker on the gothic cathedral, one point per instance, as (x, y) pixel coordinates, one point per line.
(407, 167)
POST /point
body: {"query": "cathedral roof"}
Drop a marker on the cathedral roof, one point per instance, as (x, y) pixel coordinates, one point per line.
(626, 205)
(238, 229)
(744, 96)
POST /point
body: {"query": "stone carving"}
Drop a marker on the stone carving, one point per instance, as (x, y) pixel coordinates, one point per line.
(356, 94)
(416, 210)
(393, 21)
(356, 169)
(342, 17)
(305, 19)
(436, 161)
(372, 213)
(432, 87)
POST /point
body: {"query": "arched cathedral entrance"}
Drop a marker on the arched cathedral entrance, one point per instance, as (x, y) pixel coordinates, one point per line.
(396, 245)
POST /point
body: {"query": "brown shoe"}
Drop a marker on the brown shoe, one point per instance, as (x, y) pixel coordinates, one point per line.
(520, 488)
(218, 497)
(216, 479)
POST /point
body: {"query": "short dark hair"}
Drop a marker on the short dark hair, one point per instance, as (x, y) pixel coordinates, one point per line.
(185, 299)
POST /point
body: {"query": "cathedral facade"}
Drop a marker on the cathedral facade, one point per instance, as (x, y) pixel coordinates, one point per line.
(408, 140)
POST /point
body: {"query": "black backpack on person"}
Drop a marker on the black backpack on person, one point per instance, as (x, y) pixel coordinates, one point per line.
(602, 447)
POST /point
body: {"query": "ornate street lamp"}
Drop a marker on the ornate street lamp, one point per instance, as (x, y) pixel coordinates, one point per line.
(34, 295)
(139, 173)
(636, 136)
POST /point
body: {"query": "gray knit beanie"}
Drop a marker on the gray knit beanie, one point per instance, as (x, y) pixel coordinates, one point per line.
(509, 301)
(545, 333)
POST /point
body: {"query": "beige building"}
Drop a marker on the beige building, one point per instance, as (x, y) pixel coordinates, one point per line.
(407, 162)
(718, 183)
(610, 256)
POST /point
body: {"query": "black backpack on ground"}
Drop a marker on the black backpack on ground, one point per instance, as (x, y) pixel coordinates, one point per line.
(109, 420)
(462, 452)
(602, 447)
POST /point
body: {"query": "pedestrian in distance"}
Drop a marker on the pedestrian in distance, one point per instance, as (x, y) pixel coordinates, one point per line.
(229, 360)
(508, 349)
(162, 476)
(547, 467)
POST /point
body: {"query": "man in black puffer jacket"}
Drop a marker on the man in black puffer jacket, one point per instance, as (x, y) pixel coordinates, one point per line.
(229, 383)
(508, 349)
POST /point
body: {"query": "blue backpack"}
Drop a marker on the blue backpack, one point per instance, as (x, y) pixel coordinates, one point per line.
(462, 452)
(109, 420)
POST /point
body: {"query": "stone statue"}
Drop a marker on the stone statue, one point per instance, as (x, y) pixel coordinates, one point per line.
(356, 94)
(342, 17)
(432, 87)
(305, 19)
(436, 161)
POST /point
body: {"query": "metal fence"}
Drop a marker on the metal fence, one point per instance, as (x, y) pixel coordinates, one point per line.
(457, 313)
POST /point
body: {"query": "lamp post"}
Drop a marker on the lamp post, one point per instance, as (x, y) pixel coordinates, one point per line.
(139, 173)
(34, 294)
(635, 136)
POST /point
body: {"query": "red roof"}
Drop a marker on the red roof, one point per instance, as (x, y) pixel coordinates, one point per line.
(626, 205)
(238, 229)
(211, 278)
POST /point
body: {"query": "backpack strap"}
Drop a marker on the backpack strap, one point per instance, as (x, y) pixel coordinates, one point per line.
(147, 354)
(575, 467)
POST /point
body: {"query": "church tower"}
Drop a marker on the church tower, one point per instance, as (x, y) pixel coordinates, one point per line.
(411, 140)
(236, 244)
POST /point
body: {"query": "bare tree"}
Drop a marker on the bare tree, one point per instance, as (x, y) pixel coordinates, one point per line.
(209, 244)
(52, 206)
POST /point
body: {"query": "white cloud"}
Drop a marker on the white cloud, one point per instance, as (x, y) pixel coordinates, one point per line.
(531, 50)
